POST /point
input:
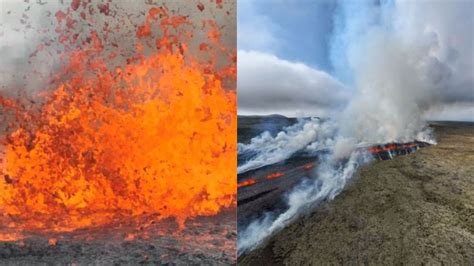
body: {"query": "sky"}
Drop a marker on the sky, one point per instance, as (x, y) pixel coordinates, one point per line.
(301, 57)
(296, 32)
(289, 41)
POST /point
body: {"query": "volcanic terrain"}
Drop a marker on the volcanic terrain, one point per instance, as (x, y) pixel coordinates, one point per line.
(414, 209)
(204, 240)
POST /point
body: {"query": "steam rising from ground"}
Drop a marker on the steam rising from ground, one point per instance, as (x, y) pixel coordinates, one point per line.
(403, 59)
(308, 134)
(412, 59)
(332, 177)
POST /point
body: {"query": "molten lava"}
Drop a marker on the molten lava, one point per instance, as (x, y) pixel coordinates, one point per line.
(275, 175)
(246, 183)
(309, 166)
(392, 147)
(156, 135)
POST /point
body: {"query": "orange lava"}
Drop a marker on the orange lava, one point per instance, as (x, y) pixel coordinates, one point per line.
(375, 150)
(247, 183)
(154, 135)
(274, 175)
(309, 166)
(52, 241)
(391, 147)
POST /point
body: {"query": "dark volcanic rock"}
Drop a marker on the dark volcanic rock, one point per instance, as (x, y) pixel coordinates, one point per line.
(205, 241)
(412, 210)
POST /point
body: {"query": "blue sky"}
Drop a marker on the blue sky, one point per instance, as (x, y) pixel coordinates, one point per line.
(293, 30)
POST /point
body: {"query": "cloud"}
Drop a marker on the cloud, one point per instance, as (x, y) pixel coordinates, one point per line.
(268, 84)
(256, 31)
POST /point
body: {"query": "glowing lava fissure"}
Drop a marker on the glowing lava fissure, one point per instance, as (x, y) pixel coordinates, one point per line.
(274, 175)
(388, 151)
(246, 183)
(378, 152)
(156, 134)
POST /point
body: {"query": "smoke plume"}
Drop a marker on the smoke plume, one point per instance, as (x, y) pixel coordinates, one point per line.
(405, 58)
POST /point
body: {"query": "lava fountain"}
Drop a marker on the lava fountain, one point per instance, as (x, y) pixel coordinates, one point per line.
(120, 133)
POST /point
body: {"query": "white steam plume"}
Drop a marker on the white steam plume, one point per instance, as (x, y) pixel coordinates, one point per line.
(310, 134)
(409, 57)
(332, 177)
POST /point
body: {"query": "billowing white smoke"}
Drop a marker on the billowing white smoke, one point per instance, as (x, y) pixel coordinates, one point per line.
(332, 177)
(403, 58)
(310, 134)
(407, 58)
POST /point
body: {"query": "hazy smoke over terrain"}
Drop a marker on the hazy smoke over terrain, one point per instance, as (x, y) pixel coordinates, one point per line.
(310, 135)
(403, 59)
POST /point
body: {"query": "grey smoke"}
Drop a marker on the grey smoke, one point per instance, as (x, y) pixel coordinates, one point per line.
(414, 57)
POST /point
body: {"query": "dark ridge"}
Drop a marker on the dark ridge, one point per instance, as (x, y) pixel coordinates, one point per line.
(254, 197)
